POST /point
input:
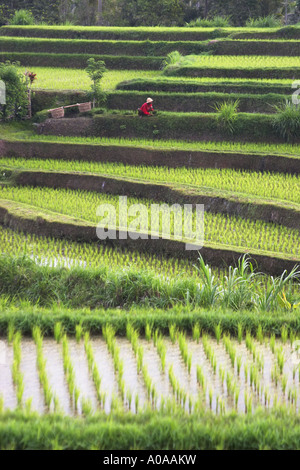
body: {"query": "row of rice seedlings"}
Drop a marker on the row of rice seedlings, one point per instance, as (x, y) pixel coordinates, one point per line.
(110, 339)
(17, 375)
(162, 352)
(256, 355)
(220, 229)
(52, 252)
(74, 391)
(158, 342)
(232, 352)
(251, 371)
(186, 356)
(49, 396)
(196, 333)
(248, 62)
(209, 352)
(202, 381)
(93, 368)
(179, 392)
(266, 185)
(133, 336)
(173, 333)
(262, 148)
(217, 368)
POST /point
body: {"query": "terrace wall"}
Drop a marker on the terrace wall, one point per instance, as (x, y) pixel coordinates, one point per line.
(216, 257)
(154, 157)
(267, 212)
(248, 128)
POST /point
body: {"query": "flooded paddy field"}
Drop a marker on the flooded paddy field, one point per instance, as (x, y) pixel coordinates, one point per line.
(84, 374)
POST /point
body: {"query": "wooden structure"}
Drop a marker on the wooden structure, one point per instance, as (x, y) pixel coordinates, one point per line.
(58, 113)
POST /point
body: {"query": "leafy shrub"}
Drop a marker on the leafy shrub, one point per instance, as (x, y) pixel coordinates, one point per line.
(95, 70)
(287, 121)
(216, 22)
(227, 114)
(173, 58)
(176, 60)
(22, 17)
(263, 22)
(16, 92)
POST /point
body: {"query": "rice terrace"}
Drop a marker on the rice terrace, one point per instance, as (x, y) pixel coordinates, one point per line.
(149, 225)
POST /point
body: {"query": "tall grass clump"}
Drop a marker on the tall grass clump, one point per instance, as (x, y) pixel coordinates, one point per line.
(286, 121)
(227, 115)
(215, 22)
(268, 297)
(238, 285)
(174, 58)
(22, 18)
(210, 290)
(269, 21)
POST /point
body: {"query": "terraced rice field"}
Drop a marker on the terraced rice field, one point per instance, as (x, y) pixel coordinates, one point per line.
(264, 185)
(220, 230)
(53, 252)
(79, 376)
(175, 340)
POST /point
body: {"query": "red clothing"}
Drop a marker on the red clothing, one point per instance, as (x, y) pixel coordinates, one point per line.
(146, 108)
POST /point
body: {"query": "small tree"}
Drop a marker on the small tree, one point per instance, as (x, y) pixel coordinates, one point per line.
(30, 77)
(16, 92)
(96, 70)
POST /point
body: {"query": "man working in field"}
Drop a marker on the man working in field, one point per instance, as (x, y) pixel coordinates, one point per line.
(146, 109)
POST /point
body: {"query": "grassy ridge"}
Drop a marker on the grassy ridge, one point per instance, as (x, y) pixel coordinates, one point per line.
(256, 47)
(56, 78)
(263, 185)
(196, 102)
(149, 33)
(277, 430)
(150, 48)
(173, 85)
(79, 61)
(79, 287)
(167, 125)
(21, 132)
(246, 66)
(25, 316)
(218, 228)
(181, 102)
(109, 48)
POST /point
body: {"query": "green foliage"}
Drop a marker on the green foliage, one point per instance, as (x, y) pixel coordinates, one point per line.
(287, 121)
(240, 10)
(262, 185)
(174, 58)
(202, 430)
(270, 21)
(96, 70)
(227, 115)
(220, 229)
(22, 17)
(145, 12)
(78, 61)
(216, 22)
(41, 10)
(102, 287)
(16, 92)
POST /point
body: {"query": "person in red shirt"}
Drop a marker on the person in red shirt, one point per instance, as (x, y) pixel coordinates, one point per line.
(147, 108)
